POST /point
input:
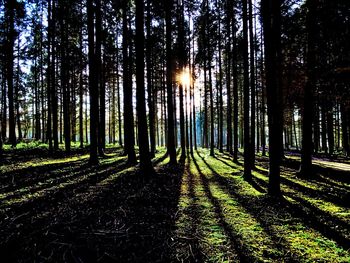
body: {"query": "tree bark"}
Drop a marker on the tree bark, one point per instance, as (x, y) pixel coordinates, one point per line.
(169, 83)
(307, 147)
(149, 82)
(93, 87)
(247, 138)
(271, 12)
(127, 88)
(145, 160)
(252, 84)
(9, 9)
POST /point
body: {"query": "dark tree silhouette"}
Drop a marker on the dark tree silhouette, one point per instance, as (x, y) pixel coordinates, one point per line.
(246, 88)
(169, 82)
(93, 86)
(11, 35)
(307, 145)
(129, 135)
(145, 160)
(271, 14)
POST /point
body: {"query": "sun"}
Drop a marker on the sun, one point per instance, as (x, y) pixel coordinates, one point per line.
(185, 78)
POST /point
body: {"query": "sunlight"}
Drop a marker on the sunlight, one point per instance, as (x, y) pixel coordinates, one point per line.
(184, 78)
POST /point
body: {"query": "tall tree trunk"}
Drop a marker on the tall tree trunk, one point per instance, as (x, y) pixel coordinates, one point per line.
(113, 100)
(93, 86)
(247, 138)
(235, 87)
(149, 81)
(221, 106)
(211, 112)
(205, 122)
(252, 84)
(18, 115)
(324, 127)
(181, 85)
(4, 109)
(54, 97)
(306, 152)
(145, 160)
(36, 100)
(169, 83)
(127, 88)
(64, 76)
(193, 99)
(81, 95)
(228, 75)
(49, 73)
(9, 10)
(271, 12)
(120, 137)
(100, 83)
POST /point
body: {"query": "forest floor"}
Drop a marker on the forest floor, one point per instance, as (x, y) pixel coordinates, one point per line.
(60, 208)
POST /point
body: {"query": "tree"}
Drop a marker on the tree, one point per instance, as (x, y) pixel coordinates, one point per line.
(169, 82)
(64, 77)
(307, 147)
(247, 138)
(271, 16)
(228, 75)
(235, 87)
(100, 80)
(252, 83)
(127, 90)
(49, 74)
(150, 88)
(11, 35)
(181, 58)
(93, 87)
(53, 88)
(145, 160)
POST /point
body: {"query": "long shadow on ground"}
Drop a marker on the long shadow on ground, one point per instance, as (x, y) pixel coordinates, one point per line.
(313, 217)
(129, 219)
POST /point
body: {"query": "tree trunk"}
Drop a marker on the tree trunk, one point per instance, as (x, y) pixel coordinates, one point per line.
(149, 81)
(181, 86)
(54, 98)
(330, 128)
(100, 80)
(271, 13)
(169, 79)
(345, 129)
(316, 128)
(145, 160)
(252, 85)
(193, 99)
(120, 137)
(81, 96)
(127, 88)
(4, 110)
(211, 112)
(306, 152)
(247, 138)
(93, 87)
(9, 9)
(228, 76)
(18, 115)
(235, 88)
(49, 73)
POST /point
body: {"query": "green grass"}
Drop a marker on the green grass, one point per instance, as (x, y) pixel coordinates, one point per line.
(247, 222)
(220, 217)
